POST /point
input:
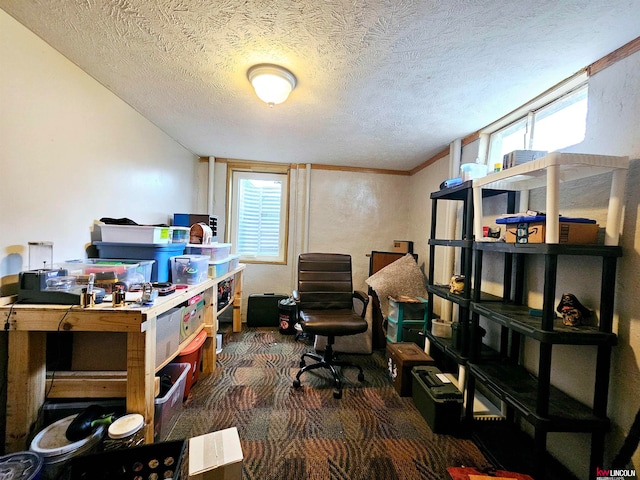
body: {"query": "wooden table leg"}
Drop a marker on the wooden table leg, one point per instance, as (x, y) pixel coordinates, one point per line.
(141, 354)
(26, 378)
(237, 303)
(211, 327)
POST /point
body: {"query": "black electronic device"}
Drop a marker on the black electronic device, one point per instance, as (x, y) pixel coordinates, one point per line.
(47, 287)
(164, 288)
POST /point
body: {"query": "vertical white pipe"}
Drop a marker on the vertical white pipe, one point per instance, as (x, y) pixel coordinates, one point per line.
(210, 185)
(294, 220)
(455, 153)
(483, 150)
(307, 208)
(524, 201)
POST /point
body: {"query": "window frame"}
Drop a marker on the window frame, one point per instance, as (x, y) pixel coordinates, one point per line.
(527, 113)
(266, 170)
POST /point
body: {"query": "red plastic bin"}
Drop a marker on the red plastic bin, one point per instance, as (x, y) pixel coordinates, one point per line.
(192, 354)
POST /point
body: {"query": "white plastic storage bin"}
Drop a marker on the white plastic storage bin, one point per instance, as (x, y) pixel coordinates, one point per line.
(189, 269)
(168, 334)
(234, 261)
(109, 272)
(135, 234)
(167, 408)
(215, 251)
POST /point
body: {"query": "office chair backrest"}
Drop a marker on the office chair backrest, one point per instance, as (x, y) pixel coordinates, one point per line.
(324, 281)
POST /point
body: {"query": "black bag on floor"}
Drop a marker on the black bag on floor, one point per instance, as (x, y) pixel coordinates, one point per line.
(262, 309)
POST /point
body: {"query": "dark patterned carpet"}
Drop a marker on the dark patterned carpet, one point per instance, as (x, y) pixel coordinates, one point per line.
(294, 434)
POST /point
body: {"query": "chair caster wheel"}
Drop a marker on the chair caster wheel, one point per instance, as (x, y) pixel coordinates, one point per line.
(296, 383)
(361, 377)
(337, 394)
(302, 364)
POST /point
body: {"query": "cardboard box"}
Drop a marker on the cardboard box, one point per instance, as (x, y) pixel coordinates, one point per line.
(216, 456)
(401, 358)
(535, 232)
(402, 246)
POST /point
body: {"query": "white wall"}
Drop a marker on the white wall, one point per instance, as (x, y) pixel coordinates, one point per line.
(71, 152)
(349, 212)
(356, 213)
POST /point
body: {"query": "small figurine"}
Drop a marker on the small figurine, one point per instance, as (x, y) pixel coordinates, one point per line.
(572, 311)
(456, 285)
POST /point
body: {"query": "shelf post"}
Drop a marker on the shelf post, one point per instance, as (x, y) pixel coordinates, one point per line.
(616, 203)
(477, 212)
(553, 201)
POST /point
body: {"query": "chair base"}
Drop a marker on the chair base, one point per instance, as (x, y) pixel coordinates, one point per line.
(329, 362)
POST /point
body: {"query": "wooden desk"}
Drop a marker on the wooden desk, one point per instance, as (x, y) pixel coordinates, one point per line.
(28, 387)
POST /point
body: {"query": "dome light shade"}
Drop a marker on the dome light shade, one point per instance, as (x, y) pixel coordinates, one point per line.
(272, 83)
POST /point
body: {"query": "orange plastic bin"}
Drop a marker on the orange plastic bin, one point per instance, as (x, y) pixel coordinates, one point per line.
(192, 354)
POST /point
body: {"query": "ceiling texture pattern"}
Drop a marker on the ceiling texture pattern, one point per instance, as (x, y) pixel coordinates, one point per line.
(381, 83)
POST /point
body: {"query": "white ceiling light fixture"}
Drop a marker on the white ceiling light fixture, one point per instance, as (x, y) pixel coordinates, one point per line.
(272, 83)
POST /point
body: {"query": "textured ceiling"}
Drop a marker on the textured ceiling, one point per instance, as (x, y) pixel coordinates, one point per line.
(381, 83)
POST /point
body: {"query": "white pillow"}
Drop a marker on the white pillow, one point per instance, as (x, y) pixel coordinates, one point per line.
(402, 277)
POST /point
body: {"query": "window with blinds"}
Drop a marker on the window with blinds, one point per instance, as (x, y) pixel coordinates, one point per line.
(258, 215)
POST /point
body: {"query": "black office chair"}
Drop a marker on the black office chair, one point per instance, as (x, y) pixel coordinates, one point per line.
(325, 299)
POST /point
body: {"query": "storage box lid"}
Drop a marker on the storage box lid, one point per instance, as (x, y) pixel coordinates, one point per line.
(223, 260)
(436, 383)
(408, 353)
(166, 247)
(541, 218)
(194, 344)
(211, 246)
(406, 299)
(214, 450)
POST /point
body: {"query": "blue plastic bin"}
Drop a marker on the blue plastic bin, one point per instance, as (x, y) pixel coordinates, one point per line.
(161, 253)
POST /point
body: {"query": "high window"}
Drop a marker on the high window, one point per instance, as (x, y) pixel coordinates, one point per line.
(555, 121)
(257, 217)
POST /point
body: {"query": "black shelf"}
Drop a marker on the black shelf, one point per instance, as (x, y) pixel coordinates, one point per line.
(451, 243)
(460, 192)
(528, 398)
(445, 345)
(517, 318)
(549, 249)
(518, 388)
(443, 291)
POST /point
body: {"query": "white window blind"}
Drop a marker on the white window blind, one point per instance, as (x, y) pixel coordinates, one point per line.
(258, 215)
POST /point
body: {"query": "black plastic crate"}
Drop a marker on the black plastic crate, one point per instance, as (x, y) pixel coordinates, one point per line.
(165, 459)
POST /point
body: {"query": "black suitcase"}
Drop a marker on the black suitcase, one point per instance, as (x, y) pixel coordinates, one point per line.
(262, 309)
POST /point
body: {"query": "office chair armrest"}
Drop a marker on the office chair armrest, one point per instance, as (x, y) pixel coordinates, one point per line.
(364, 298)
